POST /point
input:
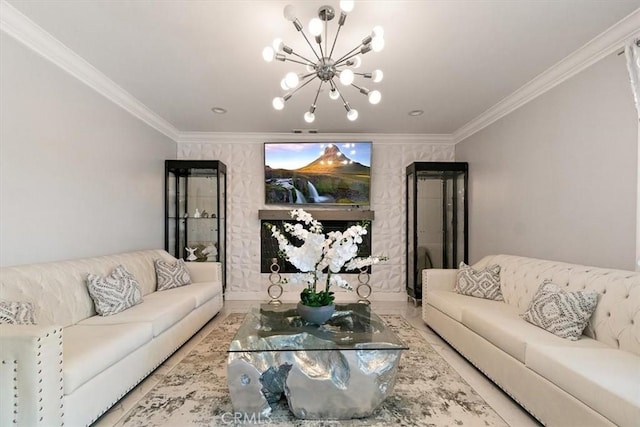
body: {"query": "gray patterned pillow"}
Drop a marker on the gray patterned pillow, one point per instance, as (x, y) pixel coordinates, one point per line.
(480, 284)
(17, 313)
(562, 313)
(171, 275)
(114, 293)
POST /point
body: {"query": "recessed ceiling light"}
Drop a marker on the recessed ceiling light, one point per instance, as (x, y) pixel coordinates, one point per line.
(219, 110)
(415, 113)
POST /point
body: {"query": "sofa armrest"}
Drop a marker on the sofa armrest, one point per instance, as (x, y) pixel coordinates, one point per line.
(31, 381)
(204, 271)
(436, 279)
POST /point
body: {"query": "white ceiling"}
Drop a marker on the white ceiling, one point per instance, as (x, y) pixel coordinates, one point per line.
(452, 59)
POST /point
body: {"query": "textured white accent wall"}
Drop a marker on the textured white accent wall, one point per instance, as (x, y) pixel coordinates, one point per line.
(556, 179)
(79, 176)
(244, 159)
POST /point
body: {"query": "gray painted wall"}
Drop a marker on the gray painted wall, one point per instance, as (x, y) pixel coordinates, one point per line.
(79, 176)
(556, 179)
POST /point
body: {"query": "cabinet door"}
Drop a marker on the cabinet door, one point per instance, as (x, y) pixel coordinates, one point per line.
(201, 221)
(436, 219)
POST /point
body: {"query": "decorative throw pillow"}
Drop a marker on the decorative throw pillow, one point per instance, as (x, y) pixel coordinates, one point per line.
(171, 275)
(17, 313)
(479, 284)
(114, 293)
(562, 313)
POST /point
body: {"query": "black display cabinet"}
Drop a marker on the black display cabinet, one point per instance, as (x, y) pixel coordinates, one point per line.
(196, 211)
(437, 219)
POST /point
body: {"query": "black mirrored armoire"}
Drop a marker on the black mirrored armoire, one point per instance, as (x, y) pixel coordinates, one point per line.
(437, 219)
(196, 211)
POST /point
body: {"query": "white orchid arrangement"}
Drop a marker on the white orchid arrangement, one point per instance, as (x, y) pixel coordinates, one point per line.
(321, 257)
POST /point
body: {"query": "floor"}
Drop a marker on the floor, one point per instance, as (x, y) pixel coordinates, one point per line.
(510, 411)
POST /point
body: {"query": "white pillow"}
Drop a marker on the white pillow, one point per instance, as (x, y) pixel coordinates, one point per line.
(562, 313)
(17, 313)
(114, 293)
(171, 275)
(480, 284)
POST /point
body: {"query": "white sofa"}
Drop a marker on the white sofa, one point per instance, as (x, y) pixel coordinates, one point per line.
(594, 381)
(74, 365)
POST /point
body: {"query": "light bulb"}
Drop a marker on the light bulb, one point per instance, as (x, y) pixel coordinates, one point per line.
(377, 44)
(268, 54)
(310, 68)
(352, 115)
(377, 31)
(277, 45)
(374, 97)
(278, 103)
(289, 13)
(315, 27)
(346, 77)
(292, 80)
(283, 84)
(377, 76)
(334, 94)
(357, 61)
(346, 5)
(309, 117)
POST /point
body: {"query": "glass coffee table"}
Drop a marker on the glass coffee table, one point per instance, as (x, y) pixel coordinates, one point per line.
(343, 369)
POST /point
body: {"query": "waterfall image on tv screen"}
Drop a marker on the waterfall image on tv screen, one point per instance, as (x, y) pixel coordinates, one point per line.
(317, 172)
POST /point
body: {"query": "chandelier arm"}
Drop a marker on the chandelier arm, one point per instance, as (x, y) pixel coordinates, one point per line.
(342, 97)
(320, 47)
(302, 85)
(326, 36)
(343, 61)
(309, 62)
(333, 46)
(349, 53)
(310, 45)
(299, 62)
(363, 90)
(335, 86)
(317, 93)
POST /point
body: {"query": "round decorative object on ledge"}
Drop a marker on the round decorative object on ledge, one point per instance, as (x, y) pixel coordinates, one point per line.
(275, 288)
(363, 290)
(316, 315)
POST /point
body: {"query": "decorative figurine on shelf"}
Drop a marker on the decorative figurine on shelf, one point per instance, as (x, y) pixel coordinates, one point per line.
(196, 213)
(205, 214)
(186, 215)
(211, 252)
(192, 256)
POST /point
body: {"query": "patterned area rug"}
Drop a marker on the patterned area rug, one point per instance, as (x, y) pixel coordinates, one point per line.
(428, 391)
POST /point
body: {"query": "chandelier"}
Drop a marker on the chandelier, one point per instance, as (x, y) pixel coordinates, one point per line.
(322, 66)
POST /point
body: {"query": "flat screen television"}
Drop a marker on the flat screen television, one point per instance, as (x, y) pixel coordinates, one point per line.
(325, 173)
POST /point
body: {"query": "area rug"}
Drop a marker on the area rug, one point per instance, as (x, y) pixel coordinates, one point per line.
(428, 391)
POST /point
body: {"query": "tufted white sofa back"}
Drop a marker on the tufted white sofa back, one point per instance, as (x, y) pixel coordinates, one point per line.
(616, 321)
(59, 290)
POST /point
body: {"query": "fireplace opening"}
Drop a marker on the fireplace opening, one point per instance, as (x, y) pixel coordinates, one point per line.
(269, 245)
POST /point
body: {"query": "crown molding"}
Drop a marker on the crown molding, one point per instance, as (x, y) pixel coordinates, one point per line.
(603, 45)
(254, 137)
(24, 30)
(18, 26)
